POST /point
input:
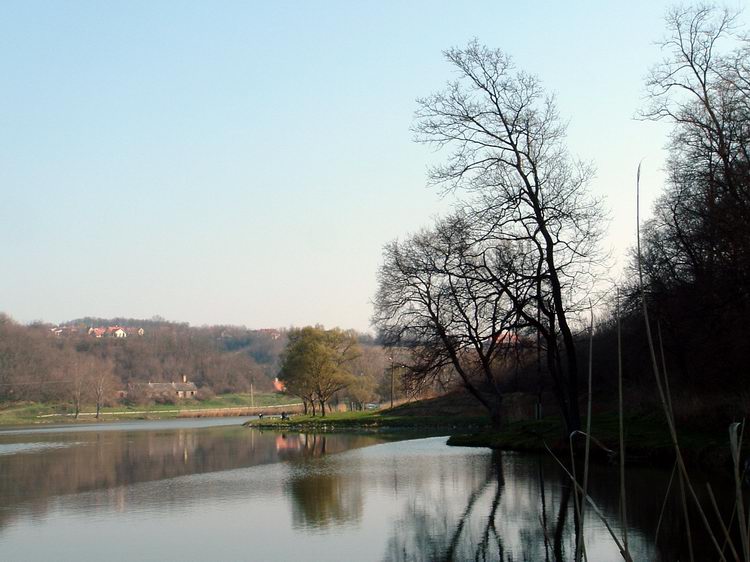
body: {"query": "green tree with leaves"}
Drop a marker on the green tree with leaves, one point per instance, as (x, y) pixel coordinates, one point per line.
(316, 364)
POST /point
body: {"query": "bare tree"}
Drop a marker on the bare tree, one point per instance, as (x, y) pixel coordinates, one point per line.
(78, 384)
(432, 296)
(507, 150)
(705, 93)
(696, 249)
(102, 384)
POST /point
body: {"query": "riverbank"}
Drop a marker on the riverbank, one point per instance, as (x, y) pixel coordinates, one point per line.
(452, 413)
(368, 421)
(647, 439)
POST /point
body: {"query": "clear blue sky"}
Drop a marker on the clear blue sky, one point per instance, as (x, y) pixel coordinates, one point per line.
(245, 162)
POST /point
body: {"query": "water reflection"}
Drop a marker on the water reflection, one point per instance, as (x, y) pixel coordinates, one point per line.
(321, 498)
(507, 506)
(243, 494)
(497, 520)
(35, 468)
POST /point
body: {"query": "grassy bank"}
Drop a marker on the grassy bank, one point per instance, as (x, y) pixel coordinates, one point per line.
(450, 414)
(33, 413)
(646, 439)
(371, 420)
(646, 435)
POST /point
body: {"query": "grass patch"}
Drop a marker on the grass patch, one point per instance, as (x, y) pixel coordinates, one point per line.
(342, 421)
(646, 439)
(24, 413)
(243, 399)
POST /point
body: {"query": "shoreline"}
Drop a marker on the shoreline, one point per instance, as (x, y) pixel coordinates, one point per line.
(647, 439)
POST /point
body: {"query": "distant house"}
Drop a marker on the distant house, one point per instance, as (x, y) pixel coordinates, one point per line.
(182, 389)
(115, 332)
(278, 386)
(64, 331)
(506, 338)
(271, 332)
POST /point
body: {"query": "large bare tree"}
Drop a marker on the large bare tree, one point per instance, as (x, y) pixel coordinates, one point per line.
(506, 145)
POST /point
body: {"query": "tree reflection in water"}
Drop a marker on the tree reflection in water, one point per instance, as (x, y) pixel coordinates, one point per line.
(321, 497)
(410, 500)
(518, 509)
(36, 468)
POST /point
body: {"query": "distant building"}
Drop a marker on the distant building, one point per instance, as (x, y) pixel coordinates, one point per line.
(182, 389)
(278, 385)
(64, 331)
(115, 332)
(506, 339)
(272, 332)
(97, 332)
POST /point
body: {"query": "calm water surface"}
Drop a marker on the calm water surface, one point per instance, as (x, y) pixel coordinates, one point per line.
(213, 490)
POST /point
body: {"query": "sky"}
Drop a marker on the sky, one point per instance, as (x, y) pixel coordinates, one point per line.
(245, 162)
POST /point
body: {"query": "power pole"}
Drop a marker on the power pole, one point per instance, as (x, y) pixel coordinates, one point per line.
(392, 382)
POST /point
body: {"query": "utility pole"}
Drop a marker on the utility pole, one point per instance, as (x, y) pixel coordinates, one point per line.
(392, 382)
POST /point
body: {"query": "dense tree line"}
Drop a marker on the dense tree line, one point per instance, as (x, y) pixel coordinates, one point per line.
(77, 367)
(696, 248)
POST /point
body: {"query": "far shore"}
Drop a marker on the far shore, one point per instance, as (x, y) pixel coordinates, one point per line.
(24, 413)
(239, 411)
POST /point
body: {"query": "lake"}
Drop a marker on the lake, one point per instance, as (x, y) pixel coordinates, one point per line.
(214, 490)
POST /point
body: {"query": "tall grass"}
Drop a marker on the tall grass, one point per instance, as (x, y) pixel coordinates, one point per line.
(662, 385)
(623, 502)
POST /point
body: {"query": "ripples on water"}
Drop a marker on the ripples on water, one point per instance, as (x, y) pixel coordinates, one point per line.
(212, 490)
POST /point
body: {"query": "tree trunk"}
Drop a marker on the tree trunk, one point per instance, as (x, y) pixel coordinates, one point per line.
(322, 408)
(573, 420)
(496, 418)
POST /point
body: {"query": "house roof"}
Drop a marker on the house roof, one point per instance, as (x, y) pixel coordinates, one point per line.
(184, 386)
(170, 386)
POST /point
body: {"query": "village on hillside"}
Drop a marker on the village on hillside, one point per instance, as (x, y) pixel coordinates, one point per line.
(99, 331)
